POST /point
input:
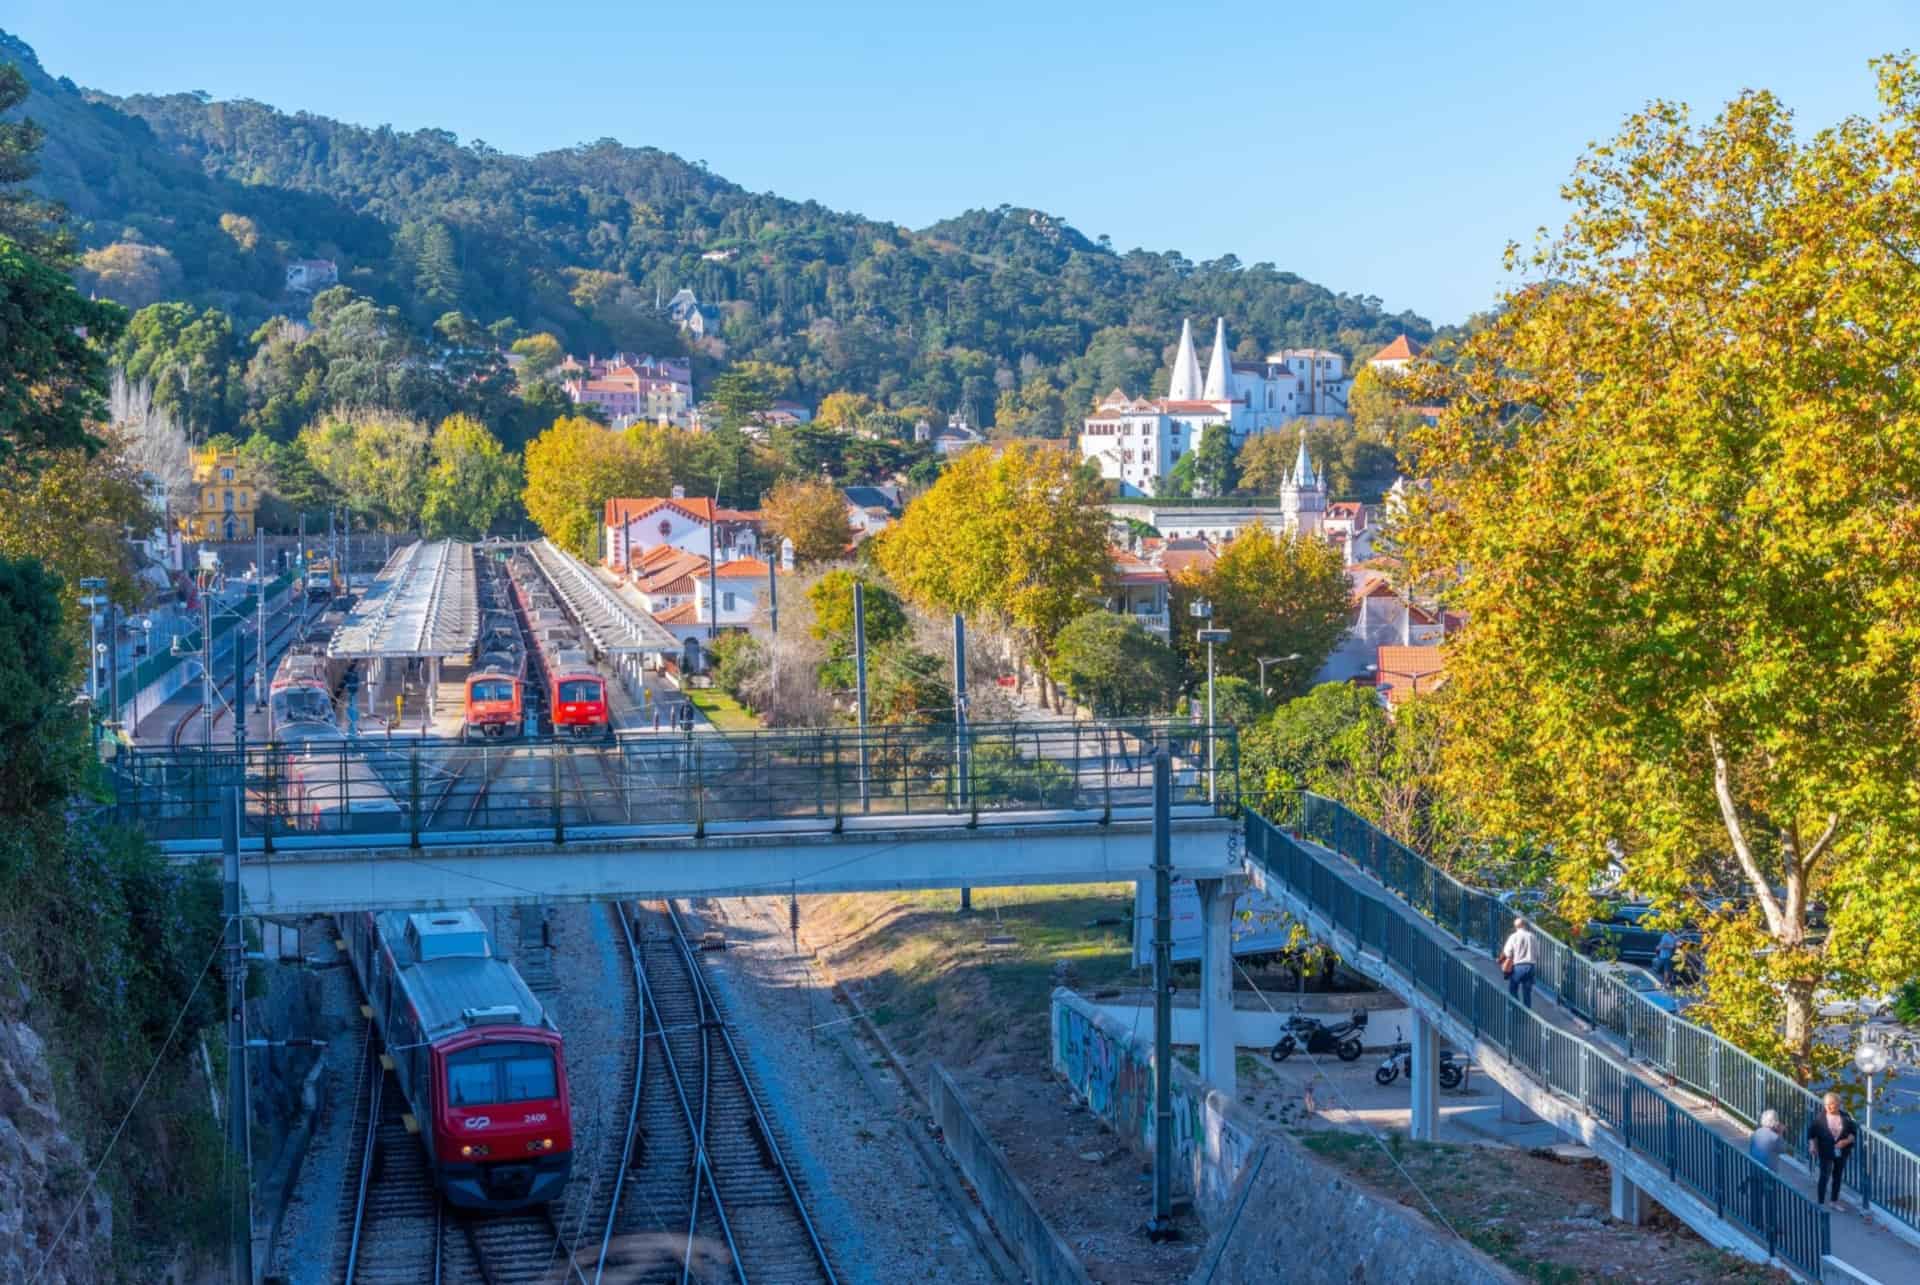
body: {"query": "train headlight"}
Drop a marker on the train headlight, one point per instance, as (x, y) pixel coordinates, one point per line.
(540, 1144)
(474, 1150)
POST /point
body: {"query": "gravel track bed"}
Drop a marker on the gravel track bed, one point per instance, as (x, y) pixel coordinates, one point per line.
(871, 1199)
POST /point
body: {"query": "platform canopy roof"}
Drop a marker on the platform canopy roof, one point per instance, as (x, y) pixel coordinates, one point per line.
(615, 626)
(422, 604)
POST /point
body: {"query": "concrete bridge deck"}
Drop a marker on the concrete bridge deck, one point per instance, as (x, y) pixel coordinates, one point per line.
(1659, 1139)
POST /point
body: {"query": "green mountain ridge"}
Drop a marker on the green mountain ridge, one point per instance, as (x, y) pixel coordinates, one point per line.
(179, 196)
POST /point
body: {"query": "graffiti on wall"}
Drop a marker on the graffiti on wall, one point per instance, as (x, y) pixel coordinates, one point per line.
(1112, 1071)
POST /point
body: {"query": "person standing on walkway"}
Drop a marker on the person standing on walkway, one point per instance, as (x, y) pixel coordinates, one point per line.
(1517, 960)
(1663, 957)
(1764, 1148)
(1830, 1136)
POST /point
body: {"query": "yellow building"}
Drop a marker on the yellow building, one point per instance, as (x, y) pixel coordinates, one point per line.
(227, 495)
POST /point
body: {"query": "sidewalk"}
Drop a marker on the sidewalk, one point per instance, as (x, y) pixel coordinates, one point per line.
(1865, 1245)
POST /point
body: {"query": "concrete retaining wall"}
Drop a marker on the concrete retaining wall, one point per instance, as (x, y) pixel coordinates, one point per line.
(1044, 1256)
(1111, 1067)
(1297, 1219)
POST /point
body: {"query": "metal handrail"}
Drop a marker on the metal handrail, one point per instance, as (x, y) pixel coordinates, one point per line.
(1885, 1174)
(1741, 1191)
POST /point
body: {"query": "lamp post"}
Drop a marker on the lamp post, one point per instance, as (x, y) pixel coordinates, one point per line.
(1872, 1059)
(1264, 661)
(93, 585)
(1204, 610)
(146, 627)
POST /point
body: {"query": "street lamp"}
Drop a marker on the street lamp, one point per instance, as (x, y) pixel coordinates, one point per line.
(93, 585)
(1264, 661)
(146, 627)
(1871, 1057)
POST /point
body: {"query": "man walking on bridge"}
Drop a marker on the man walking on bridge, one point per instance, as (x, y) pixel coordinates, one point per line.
(1517, 959)
(1830, 1135)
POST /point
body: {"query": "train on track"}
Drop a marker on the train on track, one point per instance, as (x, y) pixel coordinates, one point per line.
(575, 691)
(479, 1060)
(321, 790)
(496, 689)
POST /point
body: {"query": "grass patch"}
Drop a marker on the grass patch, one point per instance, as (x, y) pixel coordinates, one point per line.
(945, 990)
(722, 710)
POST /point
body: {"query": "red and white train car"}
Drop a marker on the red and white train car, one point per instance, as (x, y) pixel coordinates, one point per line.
(480, 1062)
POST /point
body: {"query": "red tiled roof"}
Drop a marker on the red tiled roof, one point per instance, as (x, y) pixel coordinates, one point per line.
(1128, 569)
(1190, 408)
(740, 567)
(1401, 349)
(622, 511)
(682, 614)
(1408, 671)
(1174, 561)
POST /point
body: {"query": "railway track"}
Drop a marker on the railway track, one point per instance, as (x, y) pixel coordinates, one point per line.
(290, 620)
(708, 1195)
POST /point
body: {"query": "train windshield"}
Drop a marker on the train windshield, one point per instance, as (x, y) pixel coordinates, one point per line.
(302, 705)
(580, 689)
(509, 1072)
(493, 690)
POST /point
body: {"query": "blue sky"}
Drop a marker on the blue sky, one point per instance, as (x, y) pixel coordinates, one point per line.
(1382, 148)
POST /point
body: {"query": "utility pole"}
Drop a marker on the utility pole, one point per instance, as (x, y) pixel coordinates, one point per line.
(113, 658)
(1160, 1226)
(206, 669)
(860, 681)
(773, 624)
(713, 569)
(260, 611)
(960, 728)
(241, 1228)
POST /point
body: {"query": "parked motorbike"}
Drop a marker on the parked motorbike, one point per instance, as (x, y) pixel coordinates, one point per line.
(1399, 1061)
(1310, 1033)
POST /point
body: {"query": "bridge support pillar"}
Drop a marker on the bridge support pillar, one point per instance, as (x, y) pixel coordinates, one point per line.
(1627, 1202)
(1216, 981)
(1424, 1124)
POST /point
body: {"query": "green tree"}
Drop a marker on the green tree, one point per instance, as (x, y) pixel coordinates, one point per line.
(377, 462)
(1278, 596)
(1674, 494)
(187, 357)
(540, 354)
(1237, 702)
(1020, 535)
(907, 685)
(1111, 664)
(832, 599)
(36, 226)
(1215, 471)
(53, 378)
(574, 468)
(471, 483)
(38, 753)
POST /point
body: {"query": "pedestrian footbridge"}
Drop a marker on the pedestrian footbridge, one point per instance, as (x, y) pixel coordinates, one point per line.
(419, 822)
(1667, 1104)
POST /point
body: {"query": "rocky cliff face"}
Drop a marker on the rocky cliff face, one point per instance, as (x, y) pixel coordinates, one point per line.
(42, 1173)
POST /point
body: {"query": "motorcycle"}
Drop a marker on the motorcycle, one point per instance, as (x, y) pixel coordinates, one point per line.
(1399, 1060)
(1310, 1033)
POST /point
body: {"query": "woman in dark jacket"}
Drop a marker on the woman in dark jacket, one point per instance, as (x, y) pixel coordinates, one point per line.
(1830, 1137)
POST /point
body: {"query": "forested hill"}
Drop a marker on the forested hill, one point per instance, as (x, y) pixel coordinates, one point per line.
(180, 196)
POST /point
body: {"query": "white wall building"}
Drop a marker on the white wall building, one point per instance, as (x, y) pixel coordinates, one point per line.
(1136, 441)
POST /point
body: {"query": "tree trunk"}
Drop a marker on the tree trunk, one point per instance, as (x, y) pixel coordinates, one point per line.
(1801, 1017)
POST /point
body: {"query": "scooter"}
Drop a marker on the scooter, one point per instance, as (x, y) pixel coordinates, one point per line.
(1315, 1036)
(1399, 1059)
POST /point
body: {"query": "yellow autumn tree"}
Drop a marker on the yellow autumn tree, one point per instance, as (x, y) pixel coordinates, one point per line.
(574, 468)
(810, 512)
(1676, 491)
(1018, 535)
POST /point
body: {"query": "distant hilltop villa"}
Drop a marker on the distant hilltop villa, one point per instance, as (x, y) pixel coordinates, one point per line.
(1136, 440)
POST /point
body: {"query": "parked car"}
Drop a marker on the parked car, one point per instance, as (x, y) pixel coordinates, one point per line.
(1628, 934)
(1646, 984)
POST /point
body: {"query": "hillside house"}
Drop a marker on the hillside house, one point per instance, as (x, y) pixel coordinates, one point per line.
(630, 527)
(307, 276)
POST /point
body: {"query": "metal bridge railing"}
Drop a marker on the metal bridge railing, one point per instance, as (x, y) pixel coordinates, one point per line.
(414, 791)
(1883, 1172)
(1721, 1174)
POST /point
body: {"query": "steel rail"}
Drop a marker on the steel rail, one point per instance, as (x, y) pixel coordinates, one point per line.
(711, 1003)
(633, 1102)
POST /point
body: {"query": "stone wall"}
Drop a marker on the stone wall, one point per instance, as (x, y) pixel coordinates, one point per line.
(1042, 1254)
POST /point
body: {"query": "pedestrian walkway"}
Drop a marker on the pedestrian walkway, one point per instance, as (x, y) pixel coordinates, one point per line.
(1349, 902)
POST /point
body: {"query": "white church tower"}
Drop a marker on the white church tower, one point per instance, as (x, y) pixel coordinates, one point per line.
(1303, 497)
(1185, 384)
(1219, 366)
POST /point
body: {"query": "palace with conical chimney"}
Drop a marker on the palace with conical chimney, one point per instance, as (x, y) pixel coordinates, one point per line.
(1136, 441)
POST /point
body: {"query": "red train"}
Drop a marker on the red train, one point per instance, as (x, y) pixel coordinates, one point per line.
(575, 691)
(480, 1062)
(496, 689)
